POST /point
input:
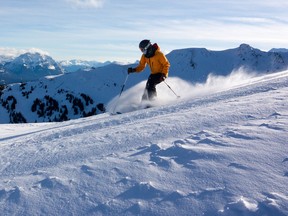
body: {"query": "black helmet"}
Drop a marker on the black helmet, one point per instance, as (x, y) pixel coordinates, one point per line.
(144, 45)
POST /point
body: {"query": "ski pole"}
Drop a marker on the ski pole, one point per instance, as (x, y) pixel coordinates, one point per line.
(123, 85)
(121, 92)
(171, 89)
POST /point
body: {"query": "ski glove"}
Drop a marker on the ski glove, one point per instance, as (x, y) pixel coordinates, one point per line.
(131, 70)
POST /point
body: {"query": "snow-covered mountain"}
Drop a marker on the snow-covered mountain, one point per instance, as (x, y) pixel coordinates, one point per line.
(195, 64)
(28, 67)
(221, 150)
(58, 98)
(75, 65)
(88, 92)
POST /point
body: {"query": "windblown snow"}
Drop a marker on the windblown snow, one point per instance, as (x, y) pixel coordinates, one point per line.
(221, 149)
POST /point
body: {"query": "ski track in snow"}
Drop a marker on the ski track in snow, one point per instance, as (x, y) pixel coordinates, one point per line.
(222, 154)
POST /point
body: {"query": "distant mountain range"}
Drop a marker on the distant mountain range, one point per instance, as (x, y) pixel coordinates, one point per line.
(27, 67)
(32, 66)
(63, 96)
(75, 65)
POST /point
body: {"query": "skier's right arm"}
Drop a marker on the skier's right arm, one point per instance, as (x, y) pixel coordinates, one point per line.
(141, 65)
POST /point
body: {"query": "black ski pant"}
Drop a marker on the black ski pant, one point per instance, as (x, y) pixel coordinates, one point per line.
(150, 90)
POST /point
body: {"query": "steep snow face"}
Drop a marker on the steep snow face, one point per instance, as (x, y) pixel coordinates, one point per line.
(28, 67)
(223, 153)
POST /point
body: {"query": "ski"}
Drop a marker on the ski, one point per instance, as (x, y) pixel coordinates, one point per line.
(116, 113)
(139, 107)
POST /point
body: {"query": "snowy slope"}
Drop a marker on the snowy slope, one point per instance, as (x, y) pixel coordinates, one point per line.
(71, 95)
(223, 152)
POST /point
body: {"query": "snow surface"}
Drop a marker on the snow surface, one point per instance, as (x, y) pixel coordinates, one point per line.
(219, 150)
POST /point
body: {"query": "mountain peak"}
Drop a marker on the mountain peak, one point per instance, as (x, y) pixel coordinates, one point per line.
(34, 58)
(244, 46)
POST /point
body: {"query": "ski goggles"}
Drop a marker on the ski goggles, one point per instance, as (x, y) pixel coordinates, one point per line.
(144, 50)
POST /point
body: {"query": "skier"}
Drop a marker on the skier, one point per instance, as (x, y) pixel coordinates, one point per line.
(159, 66)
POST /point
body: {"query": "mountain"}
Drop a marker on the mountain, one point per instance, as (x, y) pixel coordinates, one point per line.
(195, 64)
(58, 98)
(75, 65)
(28, 67)
(219, 151)
(89, 92)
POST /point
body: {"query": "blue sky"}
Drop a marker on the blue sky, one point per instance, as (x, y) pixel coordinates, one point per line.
(112, 29)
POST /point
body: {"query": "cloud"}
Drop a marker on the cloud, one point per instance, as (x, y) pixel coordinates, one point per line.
(12, 52)
(86, 3)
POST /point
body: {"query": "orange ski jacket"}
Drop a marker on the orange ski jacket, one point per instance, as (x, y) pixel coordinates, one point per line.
(158, 63)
